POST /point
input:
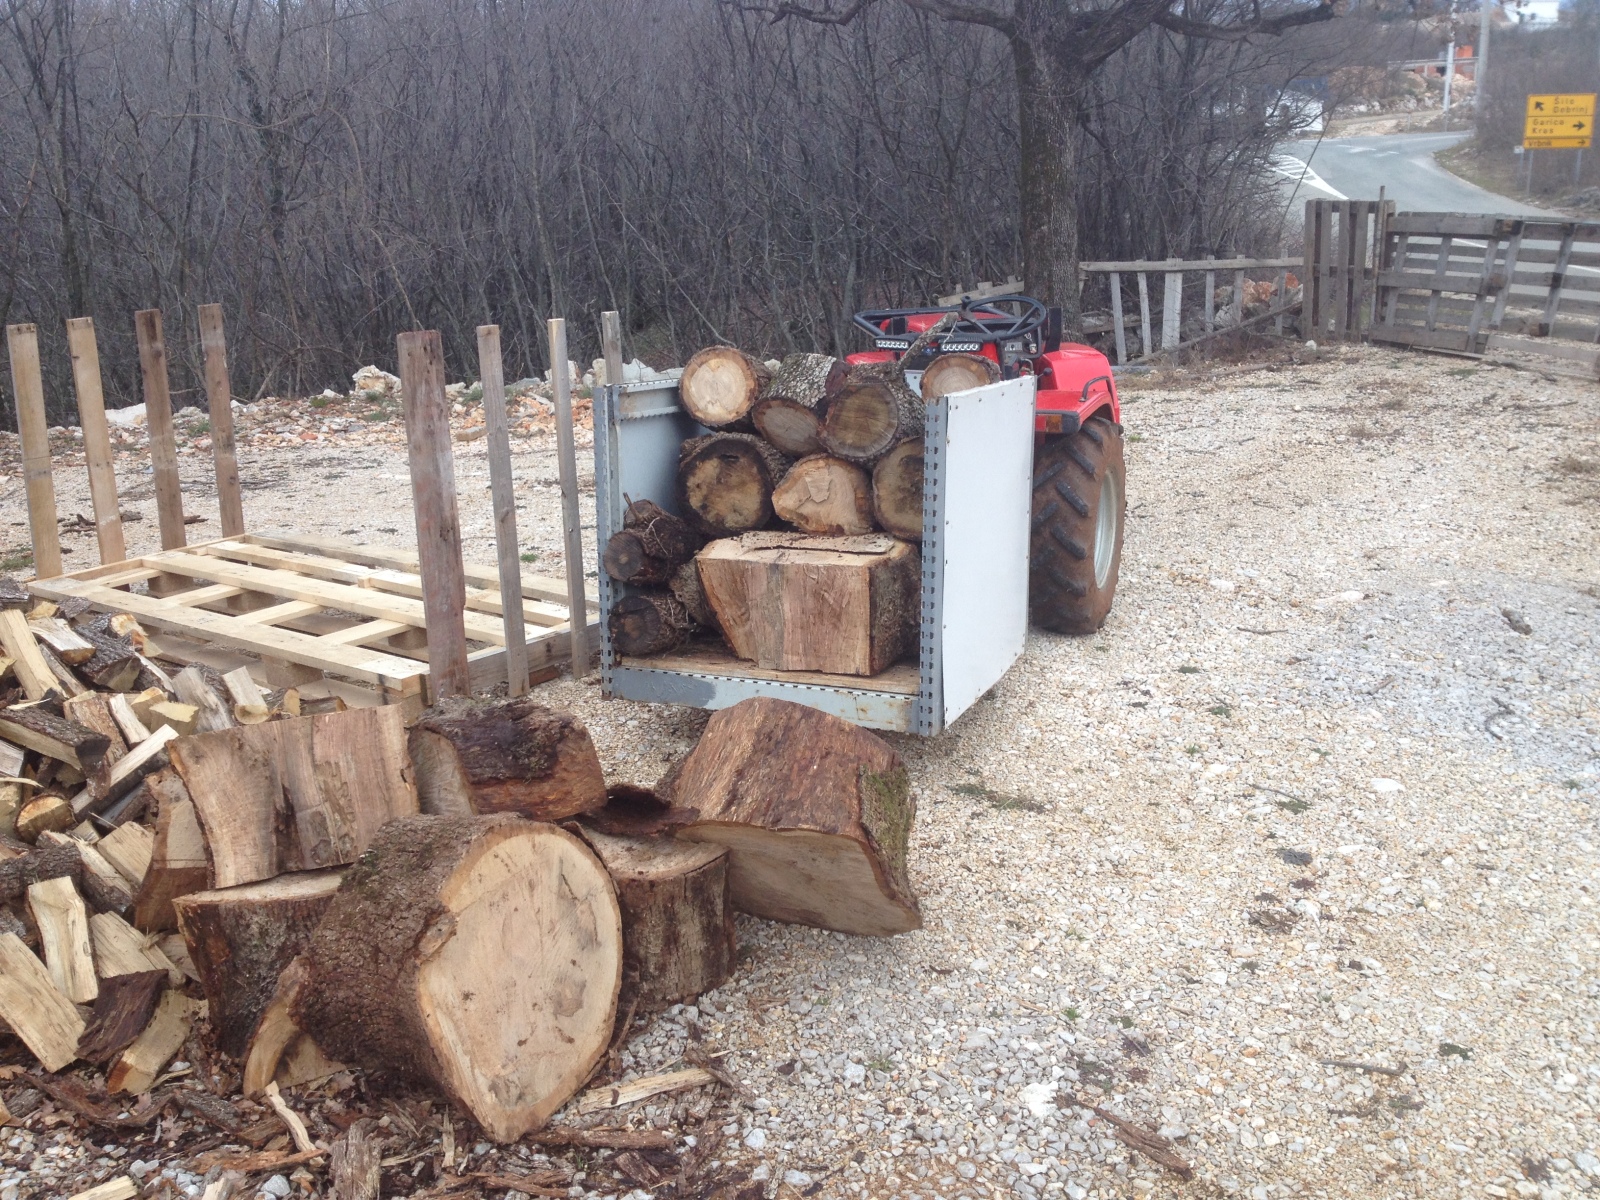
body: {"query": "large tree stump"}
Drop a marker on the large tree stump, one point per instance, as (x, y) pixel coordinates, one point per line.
(725, 482)
(241, 939)
(649, 623)
(897, 490)
(677, 930)
(825, 495)
(957, 373)
(490, 756)
(846, 606)
(719, 385)
(870, 412)
(650, 546)
(480, 954)
(816, 812)
(787, 414)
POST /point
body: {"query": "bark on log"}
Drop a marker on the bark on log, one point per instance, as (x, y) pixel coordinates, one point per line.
(677, 929)
(650, 546)
(648, 623)
(121, 1011)
(957, 373)
(691, 593)
(787, 602)
(720, 384)
(788, 413)
(725, 482)
(241, 939)
(280, 1051)
(412, 971)
(816, 812)
(872, 411)
(897, 490)
(825, 495)
(115, 666)
(37, 728)
(515, 756)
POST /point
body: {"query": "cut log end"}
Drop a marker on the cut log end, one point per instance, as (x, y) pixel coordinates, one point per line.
(957, 373)
(825, 495)
(649, 623)
(725, 482)
(719, 385)
(870, 413)
(897, 490)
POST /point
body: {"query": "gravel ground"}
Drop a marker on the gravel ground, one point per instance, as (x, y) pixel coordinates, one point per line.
(1320, 792)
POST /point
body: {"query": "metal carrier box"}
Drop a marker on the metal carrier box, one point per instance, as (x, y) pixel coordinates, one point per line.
(975, 527)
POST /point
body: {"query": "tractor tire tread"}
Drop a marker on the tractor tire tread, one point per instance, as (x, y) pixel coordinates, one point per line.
(1062, 592)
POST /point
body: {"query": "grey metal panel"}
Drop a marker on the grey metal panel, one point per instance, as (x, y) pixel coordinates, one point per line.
(930, 694)
(876, 710)
(982, 537)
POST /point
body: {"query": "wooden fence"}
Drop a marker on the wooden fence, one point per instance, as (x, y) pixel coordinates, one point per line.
(1344, 240)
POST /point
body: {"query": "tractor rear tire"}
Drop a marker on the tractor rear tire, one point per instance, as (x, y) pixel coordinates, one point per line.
(1080, 489)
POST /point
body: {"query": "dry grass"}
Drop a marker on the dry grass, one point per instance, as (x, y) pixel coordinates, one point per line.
(1393, 403)
(1574, 464)
(1361, 431)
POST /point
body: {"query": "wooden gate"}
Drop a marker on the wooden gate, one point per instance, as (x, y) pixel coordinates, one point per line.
(1343, 242)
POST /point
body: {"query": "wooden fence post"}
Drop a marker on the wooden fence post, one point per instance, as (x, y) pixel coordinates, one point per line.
(433, 499)
(219, 398)
(567, 469)
(611, 345)
(1211, 298)
(1171, 310)
(1308, 275)
(1144, 316)
(27, 385)
(158, 419)
(502, 490)
(87, 384)
(1117, 330)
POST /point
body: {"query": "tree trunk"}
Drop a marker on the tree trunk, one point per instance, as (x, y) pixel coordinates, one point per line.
(677, 931)
(725, 482)
(1048, 178)
(787, 413)
(412, 970)
(649, 623)
(869, 413)
(691, 593)
(491, 756)
(719, 386)
(816, 812)
(651, 545)
(241, 939)
(897, 490)
(787, 602)
(825, 495)
(956, 373)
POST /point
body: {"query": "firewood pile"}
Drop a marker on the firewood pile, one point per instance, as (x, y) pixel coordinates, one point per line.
(801, 513)
(213, 900)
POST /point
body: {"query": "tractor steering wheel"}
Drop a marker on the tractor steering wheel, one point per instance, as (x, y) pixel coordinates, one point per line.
(988, 319)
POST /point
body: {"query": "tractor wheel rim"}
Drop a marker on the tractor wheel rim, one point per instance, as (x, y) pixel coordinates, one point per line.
(1105, 528)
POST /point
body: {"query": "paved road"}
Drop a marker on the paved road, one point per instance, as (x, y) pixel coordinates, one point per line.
(1356, 167)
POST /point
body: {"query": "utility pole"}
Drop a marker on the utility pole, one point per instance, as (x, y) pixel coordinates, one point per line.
(1449, 61)
(1480, 100)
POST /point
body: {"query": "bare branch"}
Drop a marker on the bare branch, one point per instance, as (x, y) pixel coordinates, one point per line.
(1271, 26)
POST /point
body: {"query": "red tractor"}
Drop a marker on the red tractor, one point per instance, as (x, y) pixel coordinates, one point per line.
(1079, 477)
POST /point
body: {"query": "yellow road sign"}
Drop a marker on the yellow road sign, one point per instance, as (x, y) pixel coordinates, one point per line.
(1557, 121)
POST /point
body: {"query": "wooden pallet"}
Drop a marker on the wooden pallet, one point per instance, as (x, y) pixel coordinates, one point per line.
(305, 606)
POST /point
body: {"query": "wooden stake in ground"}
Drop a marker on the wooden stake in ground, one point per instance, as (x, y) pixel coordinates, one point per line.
(571, 523)
(897, 490)
(816, 812)
(27, 389)
(872, 410)
(490, 756)
(825, 495)
(725, 482)
(957, 373)
(677, 928)
(502, 490)
(411, 970)
(648, 623)
(787, 414)
(433, 499)
(651, 545)
(720, 385)
(35, 1010)
(794, 603)
(219, 399)
(96, 438)
(158, 418)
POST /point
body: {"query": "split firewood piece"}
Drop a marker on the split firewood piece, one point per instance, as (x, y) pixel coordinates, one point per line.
(34, 1008)
(63, 924)
(280, 1051)
(213, 712)
(129, 848)
(957, 373)
(650, 546)
(296, 795)
(720, 384)
(120, 1188)
(69, 647)
(789, 602)
(93, 711)
(133, 768)
(649, 623)
(138, 1067)
(177, 952)
(114, 665)
(606, 1139)
(616, 1095)
(35, 727)
(67, 683)
(29, 666)
(178, 864)
(677, 928)
(102, 884)
(725, 482)
(10, 803)
(13, 594)
(816, 811)
(489, 756)
(142, 702)
(250, 705)
(183, 719)
(44, 813)
(897, 490)
(411, 970)
(120, 949)
(355, 1162)
(825, 495)
(19, 873)
(240, 940)
(687, 589)
(872, 410)
(132, 728)
(788, 410)
(121, 1011)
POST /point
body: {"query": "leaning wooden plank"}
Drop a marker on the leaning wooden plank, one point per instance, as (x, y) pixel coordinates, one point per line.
(120, 949)
(219, 401)
(128, 848)
(178, 862)
(158, 414)
(63, 924)
(63, 639)
(616, 1095)
(29, 666)
(192, 688)
(27, 389)
(503, 492)
(96, 438)
(139, 1065)
(37, 728)
(34, 1008)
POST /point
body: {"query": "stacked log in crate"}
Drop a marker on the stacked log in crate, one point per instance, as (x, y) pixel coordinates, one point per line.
(801, 514)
